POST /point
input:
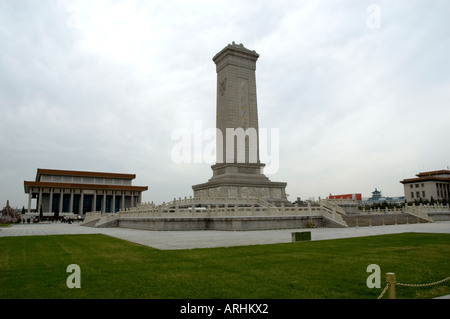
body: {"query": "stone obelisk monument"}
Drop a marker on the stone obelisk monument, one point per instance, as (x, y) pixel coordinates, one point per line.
(238, 171)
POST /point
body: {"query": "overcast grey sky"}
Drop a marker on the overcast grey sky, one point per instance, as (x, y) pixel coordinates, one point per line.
(359, 90)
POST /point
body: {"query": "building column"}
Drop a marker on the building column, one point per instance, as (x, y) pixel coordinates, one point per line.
(94, 208)
(132, 199)
(50, 204)
(61, 199)
(30, 196)
(39, 202)
(104, 202)
(71, 202)
(123, 200)
(113, 206)
(81, 203)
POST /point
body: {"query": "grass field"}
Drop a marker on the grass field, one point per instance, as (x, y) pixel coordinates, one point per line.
(35, 267)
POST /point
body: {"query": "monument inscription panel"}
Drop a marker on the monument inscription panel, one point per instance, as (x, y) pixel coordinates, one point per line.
(243, 106)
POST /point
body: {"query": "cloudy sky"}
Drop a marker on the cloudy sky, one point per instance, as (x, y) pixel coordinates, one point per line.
(359, 90)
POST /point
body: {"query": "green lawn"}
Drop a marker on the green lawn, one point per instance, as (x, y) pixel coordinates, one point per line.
(35, 267)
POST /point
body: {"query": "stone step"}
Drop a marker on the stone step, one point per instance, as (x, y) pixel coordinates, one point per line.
(359, 220)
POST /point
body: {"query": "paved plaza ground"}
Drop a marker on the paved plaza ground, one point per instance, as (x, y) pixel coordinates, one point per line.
(166, 240)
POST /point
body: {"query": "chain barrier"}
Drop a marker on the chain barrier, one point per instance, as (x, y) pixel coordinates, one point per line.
(395, 283)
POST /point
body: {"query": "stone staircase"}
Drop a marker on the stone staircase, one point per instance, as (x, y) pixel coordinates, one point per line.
(91, 219)
(362, 220)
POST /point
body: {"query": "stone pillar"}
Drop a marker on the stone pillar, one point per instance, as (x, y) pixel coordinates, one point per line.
(39, 201)
(104, 202)
(113, 206)
(81, 203)
(122, 204)
(237, 141)
(236, 100)
(50, 203)
(94, 209)
(71, 202)
(30, 196)
(61, 199)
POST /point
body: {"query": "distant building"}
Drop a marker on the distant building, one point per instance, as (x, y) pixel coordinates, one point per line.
(376, 195)
(378, 198)
(346, 196)
(348, 202)
(427, 185)
(8, 214)
(80, 192)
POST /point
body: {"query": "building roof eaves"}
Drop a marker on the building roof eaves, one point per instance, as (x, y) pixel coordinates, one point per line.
(28, 184)
(42, 171)
(433, 173)
(425, 179)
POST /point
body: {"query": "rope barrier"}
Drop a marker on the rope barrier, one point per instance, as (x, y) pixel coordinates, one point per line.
(384, 291)
(391, 283)
(423, 285)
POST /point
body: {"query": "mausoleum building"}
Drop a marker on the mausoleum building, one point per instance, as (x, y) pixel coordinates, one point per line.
(79, 192)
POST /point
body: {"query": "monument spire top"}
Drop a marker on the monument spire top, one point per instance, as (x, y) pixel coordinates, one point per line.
(233, 53)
